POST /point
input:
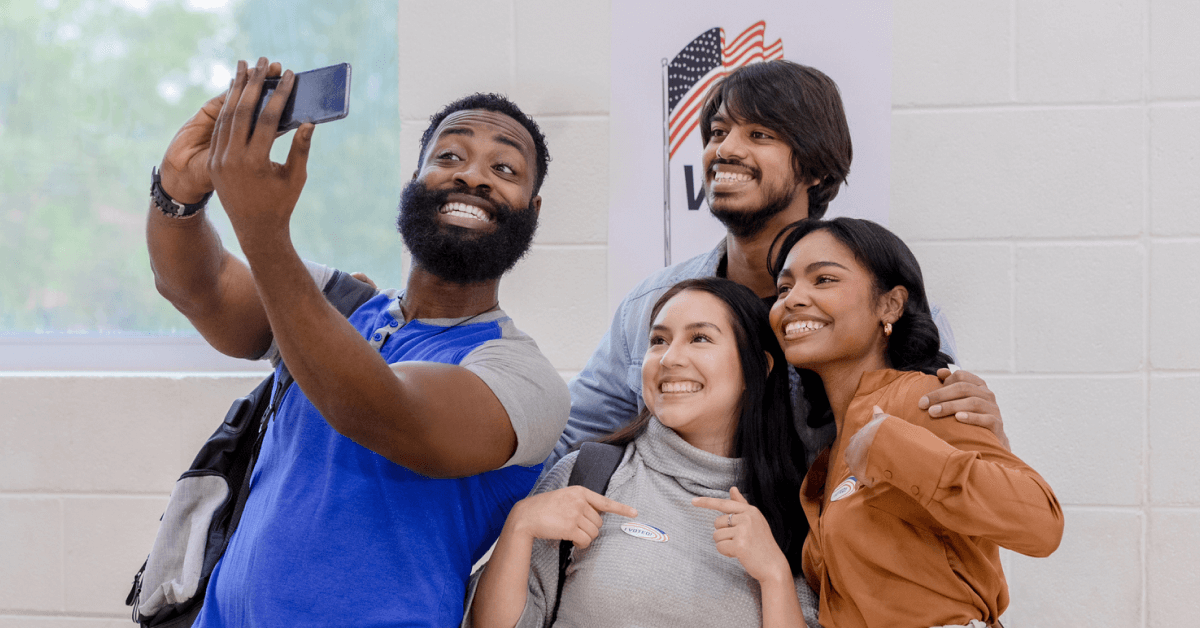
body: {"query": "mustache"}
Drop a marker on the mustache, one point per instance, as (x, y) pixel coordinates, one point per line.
(755, 172)
(499, 210)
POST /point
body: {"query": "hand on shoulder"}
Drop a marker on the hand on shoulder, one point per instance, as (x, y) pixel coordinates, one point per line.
(966, 397)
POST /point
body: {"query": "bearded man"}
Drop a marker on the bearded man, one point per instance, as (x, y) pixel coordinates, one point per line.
(777, 150)
(417, 423)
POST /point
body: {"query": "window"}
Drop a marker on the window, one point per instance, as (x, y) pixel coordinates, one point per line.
(91, 92)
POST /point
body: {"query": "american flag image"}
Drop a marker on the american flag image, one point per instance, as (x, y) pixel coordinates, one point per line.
(707, 58)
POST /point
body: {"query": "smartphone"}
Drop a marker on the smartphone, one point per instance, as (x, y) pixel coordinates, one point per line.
(317, 96)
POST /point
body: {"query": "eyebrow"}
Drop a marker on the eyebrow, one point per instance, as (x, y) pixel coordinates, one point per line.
(819, 265)
(499, 137)
(688, 326)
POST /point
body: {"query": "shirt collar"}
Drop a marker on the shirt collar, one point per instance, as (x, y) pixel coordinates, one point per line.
(872, 381)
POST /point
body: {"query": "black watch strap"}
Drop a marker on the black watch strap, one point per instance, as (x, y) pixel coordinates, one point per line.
(168, 205)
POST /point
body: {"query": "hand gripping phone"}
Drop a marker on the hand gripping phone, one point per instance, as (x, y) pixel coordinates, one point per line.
(317, 96)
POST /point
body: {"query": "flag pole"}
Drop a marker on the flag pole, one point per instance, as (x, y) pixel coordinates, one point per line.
(666, 169)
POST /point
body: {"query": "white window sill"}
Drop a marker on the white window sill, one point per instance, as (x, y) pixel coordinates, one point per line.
(116, 353)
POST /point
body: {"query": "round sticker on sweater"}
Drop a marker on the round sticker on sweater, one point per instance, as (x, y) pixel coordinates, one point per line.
(643, 531)
(845, 489)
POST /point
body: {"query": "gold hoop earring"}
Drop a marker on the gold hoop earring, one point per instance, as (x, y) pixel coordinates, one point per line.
(887, 329)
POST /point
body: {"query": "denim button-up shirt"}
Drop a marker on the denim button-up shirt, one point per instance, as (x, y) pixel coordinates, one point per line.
(607, 393)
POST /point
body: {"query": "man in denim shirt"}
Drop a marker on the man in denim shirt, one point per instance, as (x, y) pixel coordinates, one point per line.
(776, 150)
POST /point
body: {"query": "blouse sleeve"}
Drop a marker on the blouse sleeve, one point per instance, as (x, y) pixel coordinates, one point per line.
(966, 479)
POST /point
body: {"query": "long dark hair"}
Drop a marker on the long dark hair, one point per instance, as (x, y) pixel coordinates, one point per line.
(773, 462)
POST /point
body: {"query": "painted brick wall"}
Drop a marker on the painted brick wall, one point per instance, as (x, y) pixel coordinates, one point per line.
(1046, 170)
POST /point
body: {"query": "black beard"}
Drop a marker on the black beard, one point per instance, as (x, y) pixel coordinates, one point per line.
(457, 254)
(746, 224)
(743, 224)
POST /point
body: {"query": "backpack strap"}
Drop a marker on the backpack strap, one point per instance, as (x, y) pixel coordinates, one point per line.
(593, 469)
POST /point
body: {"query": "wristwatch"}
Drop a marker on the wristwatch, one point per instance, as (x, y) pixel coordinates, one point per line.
(168, 205)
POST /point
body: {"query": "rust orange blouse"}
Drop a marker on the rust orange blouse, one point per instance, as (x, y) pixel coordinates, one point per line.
(921, 547)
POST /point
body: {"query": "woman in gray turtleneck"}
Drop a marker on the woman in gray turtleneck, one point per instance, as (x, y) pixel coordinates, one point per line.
(701, 521)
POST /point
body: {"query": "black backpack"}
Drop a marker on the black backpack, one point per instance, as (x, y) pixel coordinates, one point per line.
(593, 469)
(206, 504)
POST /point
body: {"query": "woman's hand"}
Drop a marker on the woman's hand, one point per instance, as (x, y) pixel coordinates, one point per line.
(859, 448)
(569, 514)
(742, 532)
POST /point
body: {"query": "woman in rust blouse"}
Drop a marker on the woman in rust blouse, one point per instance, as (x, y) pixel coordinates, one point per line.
(907, 514)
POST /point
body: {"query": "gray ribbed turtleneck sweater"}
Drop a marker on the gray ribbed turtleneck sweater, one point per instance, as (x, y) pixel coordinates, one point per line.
(622, 580)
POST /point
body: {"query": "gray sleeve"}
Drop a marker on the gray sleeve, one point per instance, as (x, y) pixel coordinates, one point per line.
(531, 391)
(320, 274)
(543, 568)
(809, 603)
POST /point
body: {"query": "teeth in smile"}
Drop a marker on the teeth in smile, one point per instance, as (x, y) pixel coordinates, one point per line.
(468, 211)
(729, 177)
(799, 327)
(680, 387)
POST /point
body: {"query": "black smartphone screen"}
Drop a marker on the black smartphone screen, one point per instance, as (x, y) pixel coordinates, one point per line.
(317, 96)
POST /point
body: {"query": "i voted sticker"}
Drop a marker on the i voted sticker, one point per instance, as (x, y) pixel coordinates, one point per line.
(845, 489)
(643, 531)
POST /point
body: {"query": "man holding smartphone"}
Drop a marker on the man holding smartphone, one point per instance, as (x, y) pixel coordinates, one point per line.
(417, 423)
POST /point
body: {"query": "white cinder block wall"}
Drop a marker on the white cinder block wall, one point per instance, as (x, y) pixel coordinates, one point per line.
(1046, 170)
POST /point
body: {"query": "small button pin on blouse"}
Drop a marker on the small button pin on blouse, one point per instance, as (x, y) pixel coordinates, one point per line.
(916, 491)
(887, 474)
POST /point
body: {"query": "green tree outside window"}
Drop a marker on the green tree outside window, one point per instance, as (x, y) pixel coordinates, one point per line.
(91, 92)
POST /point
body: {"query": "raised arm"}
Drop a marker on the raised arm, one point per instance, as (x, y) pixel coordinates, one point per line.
(192, 270)
(438, 420)
(963, 477)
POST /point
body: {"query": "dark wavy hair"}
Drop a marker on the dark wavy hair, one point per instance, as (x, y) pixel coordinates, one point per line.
(773, 459)
(915, 344)
(800, 103)
(498, 104)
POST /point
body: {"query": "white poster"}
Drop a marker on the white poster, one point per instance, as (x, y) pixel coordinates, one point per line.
(665, 56)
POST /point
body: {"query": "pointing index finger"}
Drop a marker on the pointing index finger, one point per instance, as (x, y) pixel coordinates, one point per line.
(604, 504)
(727, 506)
